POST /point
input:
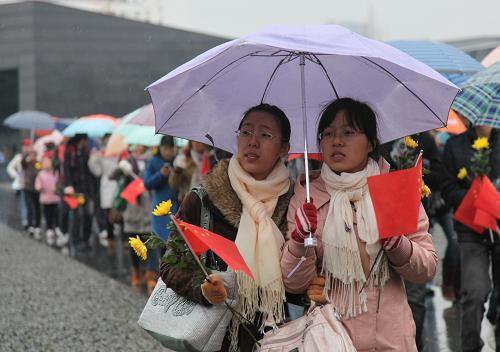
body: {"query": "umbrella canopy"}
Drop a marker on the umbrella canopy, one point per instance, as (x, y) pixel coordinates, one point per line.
(55, 137)
(30, 120)
(451, 62)
(454, 125)
(95, 126)
(143, 135)
(145, 116)
(479, 101)
(492, 58)
(296, 68)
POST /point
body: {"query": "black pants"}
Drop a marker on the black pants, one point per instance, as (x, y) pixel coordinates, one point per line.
(64, 216)
(50, 212)
(81, 226)
(476, 259)
(32, 199)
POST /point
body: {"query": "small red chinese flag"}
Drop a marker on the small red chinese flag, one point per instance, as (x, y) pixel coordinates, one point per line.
(71, 201)
(133, 190)
(485, 219)
(466, 210)
(202, 240)
(205, 165)
(488, 198)
(311, 156)
(396, 200)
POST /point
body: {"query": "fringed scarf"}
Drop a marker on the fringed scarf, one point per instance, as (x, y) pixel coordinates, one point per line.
(260, 242)
(342, 265)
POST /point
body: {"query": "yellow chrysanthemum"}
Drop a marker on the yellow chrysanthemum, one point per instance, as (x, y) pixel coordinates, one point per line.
(81, 199)
(38, 166)
(410, 143)
(425, 191)
(139, 247)
(462, 173)
(481, 143)
(163, 208)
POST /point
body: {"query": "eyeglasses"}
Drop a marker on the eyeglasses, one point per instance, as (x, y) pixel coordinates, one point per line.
(261, 136)
(344, 134)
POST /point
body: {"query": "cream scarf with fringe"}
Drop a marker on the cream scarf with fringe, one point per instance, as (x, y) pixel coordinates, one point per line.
(341, 259)
(260, 241)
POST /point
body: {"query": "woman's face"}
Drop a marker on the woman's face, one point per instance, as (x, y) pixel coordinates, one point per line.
(260, 144)
(344, 148)
(167, 152)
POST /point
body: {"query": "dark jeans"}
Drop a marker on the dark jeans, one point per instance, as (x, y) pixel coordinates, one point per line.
(416, 300)
(451, 260)
(51, 215)
(476, 259)
(81, 226)
(32, 199)
(64, 217)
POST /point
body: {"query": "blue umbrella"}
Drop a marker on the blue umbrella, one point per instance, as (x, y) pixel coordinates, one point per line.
(30, 120)
(451, 62)
(95, 126)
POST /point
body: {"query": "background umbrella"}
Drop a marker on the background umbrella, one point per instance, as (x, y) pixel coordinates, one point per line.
(55, 137)
(30, 120)
(492, 58)
(95, 126)
(479, 101)
(454, 125)
(448, 60)
(143, 135)
(145, 116)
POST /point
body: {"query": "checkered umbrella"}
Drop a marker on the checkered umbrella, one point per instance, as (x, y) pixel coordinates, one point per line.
(479, 101)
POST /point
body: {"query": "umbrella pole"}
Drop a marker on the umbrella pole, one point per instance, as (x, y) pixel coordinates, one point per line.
(309, 241)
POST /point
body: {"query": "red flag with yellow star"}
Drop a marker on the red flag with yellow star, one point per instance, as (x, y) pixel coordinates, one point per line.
(466, 211)
(396, 200)
(201, 240)
(488, 198)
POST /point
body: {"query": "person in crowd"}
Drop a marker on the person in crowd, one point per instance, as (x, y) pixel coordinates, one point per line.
(370, 298)
(477, 250)
(247, 198)
(182, 172)
(46, 183)
(79, 180)
(15, 172)
(431, 161)
(101, 167)
(31, 167)
(136, 218)
(199, 153)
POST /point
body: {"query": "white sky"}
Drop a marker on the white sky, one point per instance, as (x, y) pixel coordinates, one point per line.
(383, 19)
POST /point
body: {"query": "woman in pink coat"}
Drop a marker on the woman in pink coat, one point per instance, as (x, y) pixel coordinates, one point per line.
(372, 304)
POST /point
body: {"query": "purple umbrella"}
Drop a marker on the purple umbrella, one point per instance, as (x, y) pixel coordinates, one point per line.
(299, 69)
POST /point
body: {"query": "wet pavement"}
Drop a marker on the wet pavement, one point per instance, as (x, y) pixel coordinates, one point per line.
(441, 329)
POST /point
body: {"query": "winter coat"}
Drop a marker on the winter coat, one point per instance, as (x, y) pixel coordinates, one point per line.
(30, 171)
(161, 190)
(46, 183)
(457, 154)
(136, 218)
(102, 167)
(76, 171)
(225, 208)
(15, 171)
(392, 328)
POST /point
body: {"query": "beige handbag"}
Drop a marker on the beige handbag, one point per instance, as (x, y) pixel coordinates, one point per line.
(318, 330)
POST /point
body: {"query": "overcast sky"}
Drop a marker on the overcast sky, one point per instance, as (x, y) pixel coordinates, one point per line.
(381, 19)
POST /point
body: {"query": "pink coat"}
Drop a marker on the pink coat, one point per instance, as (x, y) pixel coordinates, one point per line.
(45, 183)
(392, 328)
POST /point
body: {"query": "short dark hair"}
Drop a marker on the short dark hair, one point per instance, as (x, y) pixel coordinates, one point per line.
(277, 113)
(359, 116)
(167, 141)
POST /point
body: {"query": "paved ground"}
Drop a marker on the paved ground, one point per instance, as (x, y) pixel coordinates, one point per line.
(50, 302)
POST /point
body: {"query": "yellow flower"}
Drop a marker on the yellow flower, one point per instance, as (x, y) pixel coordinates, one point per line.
(425, 191)
(462, 173)
(81, 199)
(410, 143)
(38, 166)
(481, 143)
(163, 208)
(140, 248)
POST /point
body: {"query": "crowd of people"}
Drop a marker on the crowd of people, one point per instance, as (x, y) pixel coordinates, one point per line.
(250, 193)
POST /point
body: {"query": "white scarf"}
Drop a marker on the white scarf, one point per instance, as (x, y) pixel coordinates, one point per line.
(260, 241)
(342, 265)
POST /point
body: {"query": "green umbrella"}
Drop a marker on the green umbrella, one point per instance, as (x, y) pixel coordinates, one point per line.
(479, 100)
(143, 135)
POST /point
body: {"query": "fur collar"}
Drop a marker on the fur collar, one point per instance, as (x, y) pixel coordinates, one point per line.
(223, 197)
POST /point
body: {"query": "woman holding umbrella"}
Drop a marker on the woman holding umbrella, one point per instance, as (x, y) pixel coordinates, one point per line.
(247, 197)
(372, 303)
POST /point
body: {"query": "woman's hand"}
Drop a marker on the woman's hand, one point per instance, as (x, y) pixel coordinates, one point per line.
(388, 244)
(214, 290)
(316, 290)
(306, 220)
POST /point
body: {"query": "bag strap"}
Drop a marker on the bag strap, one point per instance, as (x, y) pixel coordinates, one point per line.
(205, 214)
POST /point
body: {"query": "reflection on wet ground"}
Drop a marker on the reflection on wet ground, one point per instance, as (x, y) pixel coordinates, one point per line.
(441, 327)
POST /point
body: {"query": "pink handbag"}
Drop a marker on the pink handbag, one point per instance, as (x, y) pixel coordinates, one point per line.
(319, 330)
